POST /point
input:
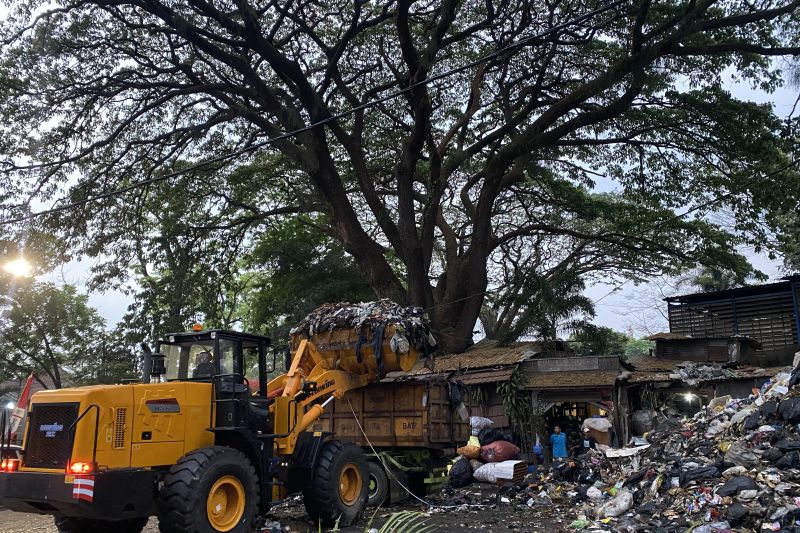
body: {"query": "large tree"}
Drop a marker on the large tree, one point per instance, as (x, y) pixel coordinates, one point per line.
(422, 189)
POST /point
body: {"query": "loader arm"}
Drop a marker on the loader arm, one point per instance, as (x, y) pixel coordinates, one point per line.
(327, 367)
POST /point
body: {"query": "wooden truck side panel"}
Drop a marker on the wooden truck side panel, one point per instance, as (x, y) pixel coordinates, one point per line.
(407, 414)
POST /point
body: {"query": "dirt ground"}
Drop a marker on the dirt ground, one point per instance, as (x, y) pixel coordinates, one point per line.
(490, 515)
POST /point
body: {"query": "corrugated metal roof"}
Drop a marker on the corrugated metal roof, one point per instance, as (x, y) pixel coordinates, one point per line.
(668, 336)
(567, 380)
(750, 290)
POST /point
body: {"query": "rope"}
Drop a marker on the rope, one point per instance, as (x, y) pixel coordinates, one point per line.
(430, 505)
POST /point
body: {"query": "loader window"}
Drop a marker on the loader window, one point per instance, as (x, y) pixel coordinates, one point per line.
(227, 355)
(191, 360)
(250, 363)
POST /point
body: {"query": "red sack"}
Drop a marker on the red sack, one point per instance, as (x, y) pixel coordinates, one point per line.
(499, 450)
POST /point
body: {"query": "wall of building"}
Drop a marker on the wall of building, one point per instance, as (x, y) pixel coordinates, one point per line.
(769, 317)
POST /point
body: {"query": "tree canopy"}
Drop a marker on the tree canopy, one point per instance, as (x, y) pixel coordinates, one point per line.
(51, 331)
(428, 190)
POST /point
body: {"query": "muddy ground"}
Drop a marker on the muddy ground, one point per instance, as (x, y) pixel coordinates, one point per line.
(491, 515)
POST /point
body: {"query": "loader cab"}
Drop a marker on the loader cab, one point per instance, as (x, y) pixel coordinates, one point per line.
(217, 354)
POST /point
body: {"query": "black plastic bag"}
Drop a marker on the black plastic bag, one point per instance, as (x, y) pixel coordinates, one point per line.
(457, 392)
(460, 473)
(489, 435)
(786, 445)
(772, 455)
(789, 410)
(789, 460)
(736, 484)
(753, 421)
(736, 514)
(634, 478)
(703, 472)
(770, 408)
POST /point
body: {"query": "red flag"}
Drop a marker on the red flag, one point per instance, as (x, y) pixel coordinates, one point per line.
(22, 406)
(25, 396)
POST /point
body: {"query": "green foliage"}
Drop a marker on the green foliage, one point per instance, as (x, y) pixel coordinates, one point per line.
(53, 332)
(296, 268)
(591, 339)
(535, 304)
(516, 399)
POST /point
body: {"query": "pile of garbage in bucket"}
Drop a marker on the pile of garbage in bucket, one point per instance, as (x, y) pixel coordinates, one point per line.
(733, 466)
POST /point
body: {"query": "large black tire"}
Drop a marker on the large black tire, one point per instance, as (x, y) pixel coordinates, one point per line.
(84, 525)
(377, 485)
(336, 496)
(186, 501)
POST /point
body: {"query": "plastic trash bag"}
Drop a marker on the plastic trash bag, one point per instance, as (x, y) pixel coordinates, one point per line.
(737, 484)
(498, 451)
(789, 410)
(399, 343)
(617, 506)
(740, 455)
(477, 423)
(597, 424)
(736, 514)
(642, 422)
(470, 452)
(594, 493)
(714, 527)
(461, 473)
(489, 435)
(487, 473)
(703, 472)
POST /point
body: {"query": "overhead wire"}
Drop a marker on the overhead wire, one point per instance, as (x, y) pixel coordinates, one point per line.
(390, 96)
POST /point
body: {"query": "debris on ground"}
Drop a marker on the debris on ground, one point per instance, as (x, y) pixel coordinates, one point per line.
(733, 466)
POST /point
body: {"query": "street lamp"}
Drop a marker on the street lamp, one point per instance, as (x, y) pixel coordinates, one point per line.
(10, 406)
(19, 268)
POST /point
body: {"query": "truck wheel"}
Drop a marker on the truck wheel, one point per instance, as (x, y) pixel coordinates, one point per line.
(378, 485)
(211, 490)
(84, 525)
(338, 492)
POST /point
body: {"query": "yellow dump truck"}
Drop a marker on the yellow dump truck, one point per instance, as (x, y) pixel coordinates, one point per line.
(207, 443)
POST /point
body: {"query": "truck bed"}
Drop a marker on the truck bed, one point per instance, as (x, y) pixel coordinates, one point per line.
(410, 414)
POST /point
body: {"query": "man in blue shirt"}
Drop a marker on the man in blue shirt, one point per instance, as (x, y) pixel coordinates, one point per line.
(558, 443)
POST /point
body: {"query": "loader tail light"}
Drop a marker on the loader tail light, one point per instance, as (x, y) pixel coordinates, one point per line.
(9, 465)
(81, 468)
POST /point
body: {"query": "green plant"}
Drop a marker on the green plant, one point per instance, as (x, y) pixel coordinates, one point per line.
(515, 398)
(405, 522)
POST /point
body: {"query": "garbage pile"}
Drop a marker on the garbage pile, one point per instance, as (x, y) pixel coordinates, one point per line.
(410, 323)
(733, 466)
(693, 373)
(487, 457)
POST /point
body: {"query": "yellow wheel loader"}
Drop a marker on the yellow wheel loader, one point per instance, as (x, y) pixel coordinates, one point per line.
(205, 442)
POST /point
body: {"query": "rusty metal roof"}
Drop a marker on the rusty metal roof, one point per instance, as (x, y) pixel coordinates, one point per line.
(780, 286)
(680, 337)
(571, 380)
